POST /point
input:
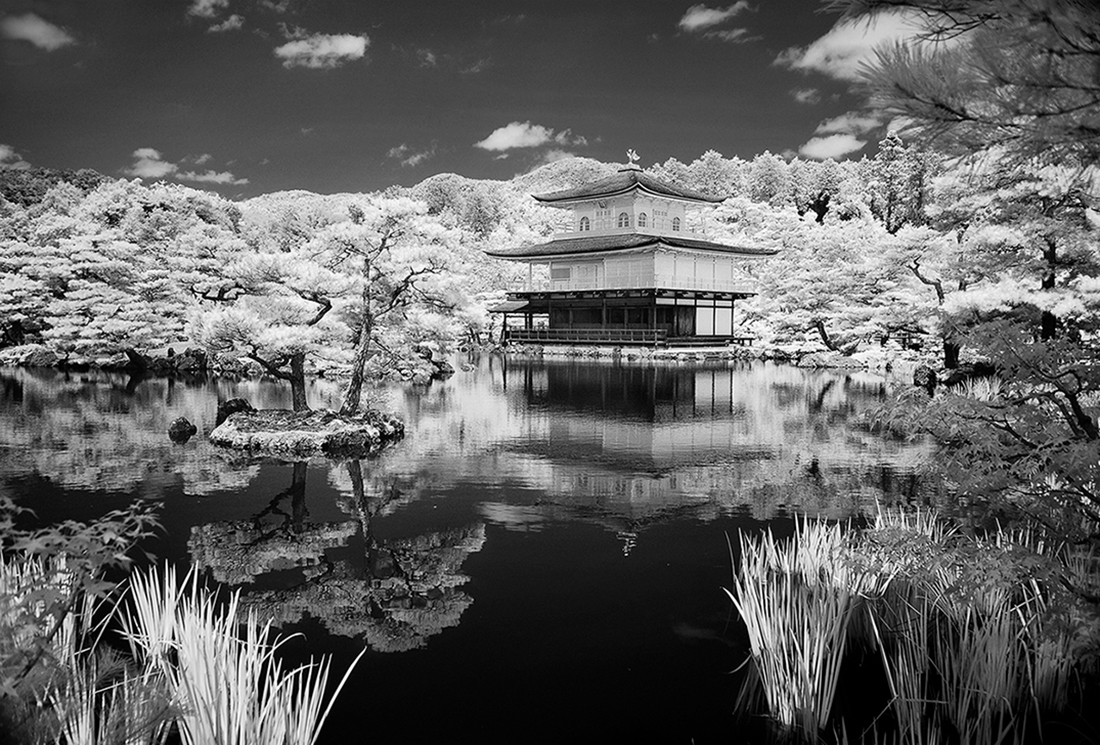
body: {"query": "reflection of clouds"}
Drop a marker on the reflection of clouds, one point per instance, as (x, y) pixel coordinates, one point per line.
(525, 518)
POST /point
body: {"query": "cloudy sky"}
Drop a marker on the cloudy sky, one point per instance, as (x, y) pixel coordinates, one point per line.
(253, 96)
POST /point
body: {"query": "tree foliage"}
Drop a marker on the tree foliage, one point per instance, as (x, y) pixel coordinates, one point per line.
(1020, 74)
(1016, 265)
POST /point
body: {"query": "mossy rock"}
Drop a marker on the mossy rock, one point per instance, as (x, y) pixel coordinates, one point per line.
(303, 434)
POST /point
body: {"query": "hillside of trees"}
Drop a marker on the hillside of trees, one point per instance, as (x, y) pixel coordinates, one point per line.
(894, 246)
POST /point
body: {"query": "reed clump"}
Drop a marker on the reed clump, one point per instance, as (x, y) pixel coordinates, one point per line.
(191, 669)
(978, 638)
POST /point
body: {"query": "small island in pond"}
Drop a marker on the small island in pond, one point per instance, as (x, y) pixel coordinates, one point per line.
(298, 434)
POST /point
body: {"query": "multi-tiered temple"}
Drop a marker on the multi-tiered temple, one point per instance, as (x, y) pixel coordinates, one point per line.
(635, 269)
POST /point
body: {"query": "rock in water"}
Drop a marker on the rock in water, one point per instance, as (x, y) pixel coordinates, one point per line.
(232, 406)
(443, 370)
(181, 430)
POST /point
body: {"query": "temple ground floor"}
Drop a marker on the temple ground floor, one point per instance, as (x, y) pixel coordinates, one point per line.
(651, 316)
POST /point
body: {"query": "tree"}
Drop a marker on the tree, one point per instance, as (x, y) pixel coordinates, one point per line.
(712, 174)
(275, 309)
(1017, 96)
(113, 270)
(830, 283)
(1019, 74)
(814, 185)
(28, 186)
(672, 171)
(769, 180)
(897, 183)
(402, 271)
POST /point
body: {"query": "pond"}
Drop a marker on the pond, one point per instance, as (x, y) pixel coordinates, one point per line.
(540, 560)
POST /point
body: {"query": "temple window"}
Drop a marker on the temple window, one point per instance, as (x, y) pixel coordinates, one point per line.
(675, 223)
(641, 220)
(585, 224)
(624, 220)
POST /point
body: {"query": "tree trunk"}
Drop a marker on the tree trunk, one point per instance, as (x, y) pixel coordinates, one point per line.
(297, 380)
(950, 354)
(350, 403)
(820, 326)
(1049, 322)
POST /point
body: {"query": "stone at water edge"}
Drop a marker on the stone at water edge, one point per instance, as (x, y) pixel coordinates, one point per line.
(282, 433)
(190, 361)
(28, 355)
(181, 430)
(232, 406)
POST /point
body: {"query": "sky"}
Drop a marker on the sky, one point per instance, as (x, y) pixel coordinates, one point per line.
(246, 97)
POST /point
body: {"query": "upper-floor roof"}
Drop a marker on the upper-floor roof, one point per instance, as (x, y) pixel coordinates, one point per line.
(596, 244)
(628, 179)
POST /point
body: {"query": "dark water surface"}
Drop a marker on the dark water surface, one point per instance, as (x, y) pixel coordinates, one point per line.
(540, 560)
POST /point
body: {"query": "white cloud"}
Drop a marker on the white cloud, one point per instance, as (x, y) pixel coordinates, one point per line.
(211, 177)
(408, 156)
(206, 8)
(427, 57)
(11, 159)
(480, 66)
(278, 7)
(29, 27)
(831, 146)
(849, 123)
(232, 23)
(699, 17)
(733, 35)
(526, 134)
(321, 51)
(899, 124)
(848, 45)
(806, 95)
(149, 163)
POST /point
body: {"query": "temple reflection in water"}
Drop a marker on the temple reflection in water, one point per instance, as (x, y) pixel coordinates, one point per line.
(627, 445)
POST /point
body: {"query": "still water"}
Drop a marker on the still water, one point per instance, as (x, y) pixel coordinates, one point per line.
(540, 560)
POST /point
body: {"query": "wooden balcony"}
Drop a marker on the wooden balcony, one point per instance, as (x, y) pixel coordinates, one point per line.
(639, 337)
(629, 336)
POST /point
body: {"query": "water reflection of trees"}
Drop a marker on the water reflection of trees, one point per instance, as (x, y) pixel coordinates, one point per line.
(96, 430)
(622, 446)
(395, 595)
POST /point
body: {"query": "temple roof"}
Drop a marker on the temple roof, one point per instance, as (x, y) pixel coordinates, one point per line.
(626, 180)
(620, 241)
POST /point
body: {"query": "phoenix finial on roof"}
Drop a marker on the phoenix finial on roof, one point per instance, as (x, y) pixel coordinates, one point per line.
(632, 156)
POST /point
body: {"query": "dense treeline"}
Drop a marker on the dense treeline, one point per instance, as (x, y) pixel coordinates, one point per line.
(905, 245)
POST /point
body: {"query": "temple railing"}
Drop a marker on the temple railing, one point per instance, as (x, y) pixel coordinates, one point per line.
(635, 336)
(644, 280)
(641, 336)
